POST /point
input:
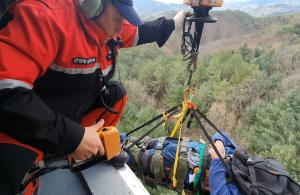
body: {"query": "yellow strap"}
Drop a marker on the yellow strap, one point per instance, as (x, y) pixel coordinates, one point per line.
(179, 123)
(184, 109)
(174, 180)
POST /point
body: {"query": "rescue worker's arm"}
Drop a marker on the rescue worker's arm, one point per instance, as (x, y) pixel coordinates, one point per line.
(157, 31)
(27, 47)
(217, 178)
(161, 29)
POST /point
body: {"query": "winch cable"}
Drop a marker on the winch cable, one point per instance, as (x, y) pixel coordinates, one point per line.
(191, 42)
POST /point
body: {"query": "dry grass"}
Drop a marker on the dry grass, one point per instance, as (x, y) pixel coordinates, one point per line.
(135, 91)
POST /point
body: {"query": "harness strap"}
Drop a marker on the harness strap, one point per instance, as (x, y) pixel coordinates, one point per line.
(171, 172)
(252, 177)
(157, 165)
(139, 164)
(174, 180)
(160, 143)
(181, 172)
(184, 147)
(182, 169)
(197, 183)
(179, 124)
(183, 164)
(184, 110)
(203, 174)
(156, 168)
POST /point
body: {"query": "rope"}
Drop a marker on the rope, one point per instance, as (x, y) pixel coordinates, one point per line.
(179, 124)
(184, 109)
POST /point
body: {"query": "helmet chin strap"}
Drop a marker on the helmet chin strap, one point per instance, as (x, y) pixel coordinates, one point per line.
(91, 8)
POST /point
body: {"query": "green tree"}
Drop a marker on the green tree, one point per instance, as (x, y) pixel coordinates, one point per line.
(274, 130)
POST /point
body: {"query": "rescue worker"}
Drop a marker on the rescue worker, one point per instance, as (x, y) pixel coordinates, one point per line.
(56, 61)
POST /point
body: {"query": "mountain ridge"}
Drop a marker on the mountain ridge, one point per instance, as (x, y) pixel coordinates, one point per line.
(234, 27)
(256, 8)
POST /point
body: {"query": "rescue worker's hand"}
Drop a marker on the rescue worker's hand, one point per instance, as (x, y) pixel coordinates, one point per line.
(179, 18)
(90, 144)
(220, 146)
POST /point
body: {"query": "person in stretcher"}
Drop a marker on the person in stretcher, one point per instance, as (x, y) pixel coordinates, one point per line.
(199, 168)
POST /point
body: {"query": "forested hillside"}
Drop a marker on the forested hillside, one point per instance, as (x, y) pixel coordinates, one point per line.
(247, 82)
(234, 28)
(265, 7)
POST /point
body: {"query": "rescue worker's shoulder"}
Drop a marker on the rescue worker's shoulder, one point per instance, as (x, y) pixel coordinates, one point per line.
(46, 5)
(56, 4)
(129, 34)
(126, 25)
(57, 12)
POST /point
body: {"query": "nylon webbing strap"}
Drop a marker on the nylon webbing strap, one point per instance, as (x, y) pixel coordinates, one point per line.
(184, 110)
(203, 175)
(157, 161)
(174, 180)
(160, 143)
(182, 169)
(162, 168)
(179, 124)
(253, 177)
(171, 172)
(139, 164)
(184, 147)
(197, 183)
(183, 164)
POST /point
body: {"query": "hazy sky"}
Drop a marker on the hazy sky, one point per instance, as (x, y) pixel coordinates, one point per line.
(180, 1)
